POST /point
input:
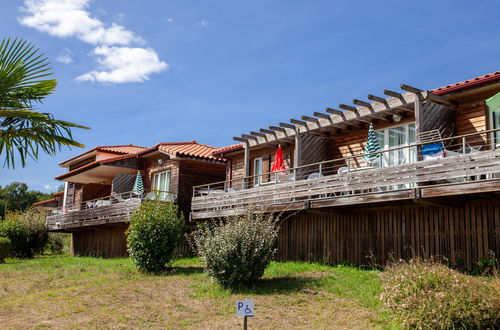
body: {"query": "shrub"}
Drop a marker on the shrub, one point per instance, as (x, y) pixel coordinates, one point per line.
(237, 251)
(4, 248)
(155, 230)
(26, 231)
(59, 243)
(433, 296)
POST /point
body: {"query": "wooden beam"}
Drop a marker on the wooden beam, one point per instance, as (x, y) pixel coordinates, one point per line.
(267, 131)
(307, 118)
(276, 128)
(411, 89)
(246, 136)
(348, 107)
(236, 138)
(440, 99)
(298, 122)
(379, 109)
(286, 125)
(362, 103)
(335, 112)
(345, 113)
(321, 115)
(393, 94)
(376, 98)
(246, 163)
(418, 114)
(297, 150)
(257, 134)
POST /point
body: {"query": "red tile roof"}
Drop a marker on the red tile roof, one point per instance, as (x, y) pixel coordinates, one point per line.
(187, 149)
(224, 150)
(127, 149)
(44, 202)
(92, 165)
(487, 78)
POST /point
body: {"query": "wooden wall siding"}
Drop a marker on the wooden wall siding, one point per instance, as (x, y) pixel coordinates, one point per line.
(471, 117)
(94, 191)
(104, 241)
(171, 165)
(314, 149)
(70, 193)
(436, 116)
(193, 173)
(352, 142)
(82, 162)
(462, 235)
(267, 153)
(111, 242)
(123, 182)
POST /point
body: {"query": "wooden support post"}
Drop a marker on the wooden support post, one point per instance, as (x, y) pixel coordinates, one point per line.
(246, 164)
(297, 152)
(418, 114)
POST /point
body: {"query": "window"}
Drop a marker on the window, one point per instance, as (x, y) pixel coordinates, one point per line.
(161, 184)
(257, 171)
(398, 136)
(495, 121)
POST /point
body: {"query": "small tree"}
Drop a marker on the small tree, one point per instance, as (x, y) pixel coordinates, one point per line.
(26, 232)
(155, 230)
(4, 248)
(237, 251)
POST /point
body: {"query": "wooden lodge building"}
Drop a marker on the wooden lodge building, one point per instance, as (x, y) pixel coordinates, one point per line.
(432, 188)
(99, 198)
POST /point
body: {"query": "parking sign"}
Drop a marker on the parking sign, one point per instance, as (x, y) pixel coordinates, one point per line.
(244, 308)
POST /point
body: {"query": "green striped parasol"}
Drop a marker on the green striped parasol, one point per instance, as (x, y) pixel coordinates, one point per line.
(138, 186)
(372, 146)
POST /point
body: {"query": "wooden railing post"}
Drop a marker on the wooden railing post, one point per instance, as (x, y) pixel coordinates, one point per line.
(463, 145)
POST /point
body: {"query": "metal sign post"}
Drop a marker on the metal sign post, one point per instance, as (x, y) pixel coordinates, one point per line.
(244, 309)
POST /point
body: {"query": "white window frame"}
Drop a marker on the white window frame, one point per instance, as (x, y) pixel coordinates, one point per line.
(257, 179)
(406, 151)
(494, 136)
(162, 194)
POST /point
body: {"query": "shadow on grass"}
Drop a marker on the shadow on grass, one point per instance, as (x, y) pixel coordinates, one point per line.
(185, 270)
(281, 285)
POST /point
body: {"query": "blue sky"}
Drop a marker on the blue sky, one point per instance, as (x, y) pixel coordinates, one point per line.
(143, 72)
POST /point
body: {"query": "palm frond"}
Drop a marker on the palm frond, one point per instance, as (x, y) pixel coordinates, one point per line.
(23, 73)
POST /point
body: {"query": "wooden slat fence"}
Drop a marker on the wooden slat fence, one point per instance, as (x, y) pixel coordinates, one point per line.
(461, 235)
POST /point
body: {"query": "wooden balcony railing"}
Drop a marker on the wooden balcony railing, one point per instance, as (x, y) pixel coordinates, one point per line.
(110, 209)
(469, 163)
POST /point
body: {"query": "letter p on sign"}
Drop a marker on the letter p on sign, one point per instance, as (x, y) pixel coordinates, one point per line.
(244, 308)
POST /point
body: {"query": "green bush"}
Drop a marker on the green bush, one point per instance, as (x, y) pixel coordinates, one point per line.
(237, 251)
(428, 295)
(59, 243)
(155, 229)
(4, 248)
(26, 231)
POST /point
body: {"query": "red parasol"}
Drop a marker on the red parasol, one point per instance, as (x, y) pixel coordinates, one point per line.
(279, 162)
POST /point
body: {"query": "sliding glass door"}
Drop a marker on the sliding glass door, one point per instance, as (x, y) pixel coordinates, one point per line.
(395, 137)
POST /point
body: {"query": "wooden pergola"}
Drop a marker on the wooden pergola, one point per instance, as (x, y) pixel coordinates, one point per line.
(333, 121)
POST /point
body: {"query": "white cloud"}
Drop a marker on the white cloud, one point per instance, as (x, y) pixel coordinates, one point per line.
(66, 59)
(124, 64)
(49, 187)
(170, 20)
(68, 18)
(65, 56)
(71, 18)
(203, 22)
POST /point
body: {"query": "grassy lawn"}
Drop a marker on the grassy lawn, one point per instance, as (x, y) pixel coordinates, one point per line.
(64, 291)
